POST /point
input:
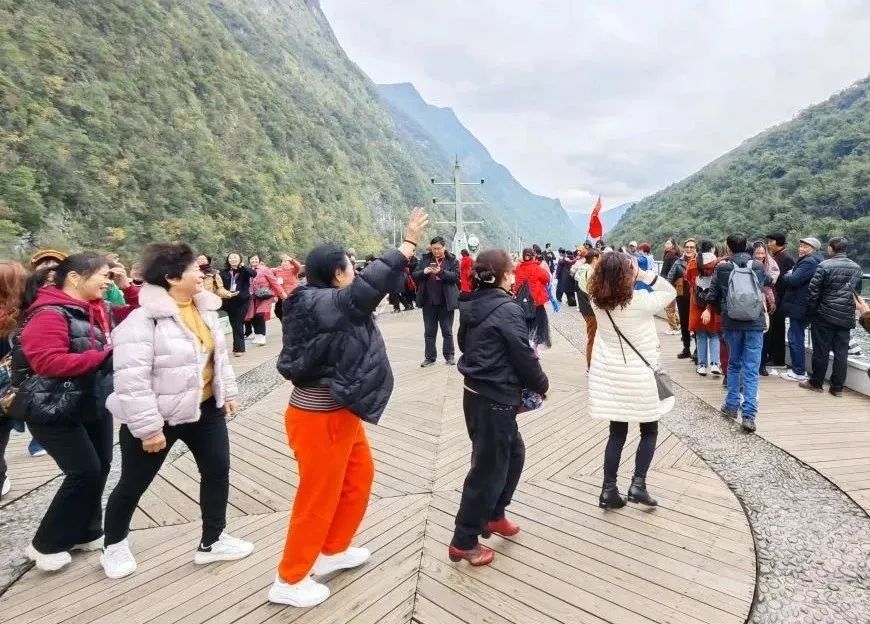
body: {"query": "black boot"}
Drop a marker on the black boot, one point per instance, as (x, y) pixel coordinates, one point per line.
(637, 493)
(610, 497)
(685, 354)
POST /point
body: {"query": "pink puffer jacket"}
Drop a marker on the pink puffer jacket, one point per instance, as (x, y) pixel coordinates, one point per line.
(156, 360)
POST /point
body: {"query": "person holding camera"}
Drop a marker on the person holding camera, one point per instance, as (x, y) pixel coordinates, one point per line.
(437, 278)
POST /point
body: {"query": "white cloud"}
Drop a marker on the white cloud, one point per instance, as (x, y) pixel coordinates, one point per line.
(618, 99)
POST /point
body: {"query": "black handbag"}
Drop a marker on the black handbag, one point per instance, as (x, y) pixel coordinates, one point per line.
(47, 401)
(663, 380)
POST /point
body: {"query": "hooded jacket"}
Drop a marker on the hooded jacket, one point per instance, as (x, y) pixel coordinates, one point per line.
(497, 360)
(157, 371)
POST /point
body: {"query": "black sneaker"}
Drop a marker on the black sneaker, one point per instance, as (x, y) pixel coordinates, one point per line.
(427, 363)
(836, 393)
(763, 371)
(685, 354)
(727, 411)
(450, 361)
(808, 385)
(748, 424)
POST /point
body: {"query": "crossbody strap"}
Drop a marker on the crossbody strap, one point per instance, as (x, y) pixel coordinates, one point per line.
(622, 337)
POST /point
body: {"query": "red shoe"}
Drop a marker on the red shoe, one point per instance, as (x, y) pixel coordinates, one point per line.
(478, 556)
(503, 527)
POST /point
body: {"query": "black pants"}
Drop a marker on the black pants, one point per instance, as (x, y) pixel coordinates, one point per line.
(433, 318)
(774, 340)
(236, 313)
(279, 309)
(5, 431)
(209, 442)
(258, 324)
(83, 452)
(827, 338)
(497, 457)
(645, 449)
(683, 311)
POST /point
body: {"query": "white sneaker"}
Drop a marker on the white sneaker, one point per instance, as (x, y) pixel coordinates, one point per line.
(259, 340)
(672, 332)
(306, 593)
(47, 563)
(39, 453)
(702, 371)
(91, 546)
(117, 560)
(793, 376)
(350, 558)
(715, 370)
(7, 485)
(227, 548)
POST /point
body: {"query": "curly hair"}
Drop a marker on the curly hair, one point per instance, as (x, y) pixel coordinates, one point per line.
(13, 279)
(611, 285)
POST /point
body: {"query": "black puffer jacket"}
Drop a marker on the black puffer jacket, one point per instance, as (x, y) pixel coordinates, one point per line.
(497, 361)
(830, 296)
(331, 340)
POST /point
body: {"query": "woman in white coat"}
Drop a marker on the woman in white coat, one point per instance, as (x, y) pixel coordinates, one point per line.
(622, 388)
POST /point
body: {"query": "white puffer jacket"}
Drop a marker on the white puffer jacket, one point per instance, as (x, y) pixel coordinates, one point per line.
(156, 360)
(625, 389)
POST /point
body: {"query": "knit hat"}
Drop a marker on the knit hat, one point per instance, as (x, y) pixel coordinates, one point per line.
(47, 254)
(812, 242)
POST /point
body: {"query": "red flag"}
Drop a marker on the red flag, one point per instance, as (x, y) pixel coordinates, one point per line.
(596, 230)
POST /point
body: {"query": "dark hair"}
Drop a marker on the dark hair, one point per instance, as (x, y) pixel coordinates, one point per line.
(370, 258)
(706, 246)
(736, 242)
(322, 263)
(611, 285)
(438, 240)
(161, 261)
(227, 261)
(464, 253)
(207, 258)
(85, 264)
(254, 255)
(537, 249)
(528, 252)
(838, 244)
(591, 254)
(776, 237)
(490, 268)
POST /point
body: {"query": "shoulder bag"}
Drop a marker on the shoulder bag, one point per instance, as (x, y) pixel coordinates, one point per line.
(663, 380)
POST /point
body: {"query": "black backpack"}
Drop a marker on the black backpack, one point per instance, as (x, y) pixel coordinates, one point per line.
(524, 298)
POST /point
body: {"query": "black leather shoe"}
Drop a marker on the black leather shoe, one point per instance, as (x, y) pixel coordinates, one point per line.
(836, 393)
(763, 371)
(637, 493)
(427, 363)
(685, 354)
(610, 497)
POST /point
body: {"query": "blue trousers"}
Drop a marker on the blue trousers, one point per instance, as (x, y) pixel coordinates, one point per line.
(744, 360)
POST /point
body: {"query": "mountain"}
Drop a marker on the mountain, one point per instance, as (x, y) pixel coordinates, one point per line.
(435, 137)
(609, 217)
(232, 124)
(807, 177)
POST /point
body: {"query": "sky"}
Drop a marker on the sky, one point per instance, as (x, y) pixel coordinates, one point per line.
(617, 98)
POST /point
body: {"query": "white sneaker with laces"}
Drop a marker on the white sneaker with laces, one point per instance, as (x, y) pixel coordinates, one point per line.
(673, 332)
(350, 558)
(47, 563)
(259, 340)
(793, 376)
(702, 371)
(91, 546)
(715, 370)
(39, 453)
(306, 593)
(117, 560)
(7, 485)
(227, 548)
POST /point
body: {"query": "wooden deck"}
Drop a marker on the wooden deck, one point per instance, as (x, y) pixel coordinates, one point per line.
(830, 434)
(689, 561)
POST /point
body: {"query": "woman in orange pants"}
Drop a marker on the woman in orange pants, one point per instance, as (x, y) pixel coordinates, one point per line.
(335, 356)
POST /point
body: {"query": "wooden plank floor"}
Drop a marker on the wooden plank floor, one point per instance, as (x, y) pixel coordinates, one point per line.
(690, 560)
(830, 434)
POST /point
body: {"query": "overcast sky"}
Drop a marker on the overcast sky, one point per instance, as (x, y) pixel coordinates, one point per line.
(581, 98)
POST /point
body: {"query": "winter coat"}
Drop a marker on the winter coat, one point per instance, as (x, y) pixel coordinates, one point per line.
(331, 340)
(465, 267)
(696, 307)
(497, 361)
(211, 280)
(621, 386)
(786, 263)
(263, 279)
(830, 296)
(668, 260)
(288, 279)
(794, 301)
(158, 378)
(449, 280)
(717, 297)
(531, 272)
(677, 275)
(582, 273)
(241, 278)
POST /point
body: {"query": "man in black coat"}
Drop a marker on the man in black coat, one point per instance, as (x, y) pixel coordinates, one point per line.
(794, 305)
(437, 278)
(776, 334)
(831, 307)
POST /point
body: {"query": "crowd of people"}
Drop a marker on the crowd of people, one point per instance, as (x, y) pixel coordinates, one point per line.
(88, 344)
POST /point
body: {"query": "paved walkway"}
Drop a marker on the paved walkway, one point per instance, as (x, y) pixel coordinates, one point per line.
(830, 434)
(690, 560)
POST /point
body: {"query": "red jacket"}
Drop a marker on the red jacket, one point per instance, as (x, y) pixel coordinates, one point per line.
(697, 308)
(465, 266)
(46, 342)
(288, 278)
(537, 277)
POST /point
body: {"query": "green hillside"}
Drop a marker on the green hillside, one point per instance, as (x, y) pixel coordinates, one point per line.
(808, 176)
(227, 123)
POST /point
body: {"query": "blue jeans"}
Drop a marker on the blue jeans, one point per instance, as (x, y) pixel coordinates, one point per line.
(796, 345)
(744, 360)
(702, 339)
